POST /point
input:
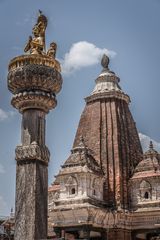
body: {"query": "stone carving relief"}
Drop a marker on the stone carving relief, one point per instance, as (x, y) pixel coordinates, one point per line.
(32, 152)
(97, 187)
(40, 77)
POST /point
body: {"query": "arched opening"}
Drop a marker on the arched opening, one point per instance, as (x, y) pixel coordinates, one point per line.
(146, 195)
(145, 190)
(72, 186)
(73, 191)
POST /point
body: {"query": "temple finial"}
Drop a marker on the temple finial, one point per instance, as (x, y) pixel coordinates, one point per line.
(105, 61)
(151, 145)
(40, 12)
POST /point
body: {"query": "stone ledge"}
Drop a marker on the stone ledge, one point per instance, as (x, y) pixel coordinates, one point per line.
(34, 100)
(43, 60)
(110, 94)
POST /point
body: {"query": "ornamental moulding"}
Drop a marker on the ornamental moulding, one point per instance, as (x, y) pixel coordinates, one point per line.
(32, 152)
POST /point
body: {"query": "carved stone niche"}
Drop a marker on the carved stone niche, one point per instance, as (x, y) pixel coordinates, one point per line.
(71, 186)
(145, 191)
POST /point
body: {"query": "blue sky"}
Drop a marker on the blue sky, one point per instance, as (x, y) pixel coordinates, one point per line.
(129, 28)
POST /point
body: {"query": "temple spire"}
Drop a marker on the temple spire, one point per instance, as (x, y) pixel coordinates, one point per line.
(107, 80)
(106, 123)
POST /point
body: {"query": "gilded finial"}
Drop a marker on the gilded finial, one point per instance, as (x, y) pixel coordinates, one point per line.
(105, 61)
(42, 18)
(40, 12)
(36, 44)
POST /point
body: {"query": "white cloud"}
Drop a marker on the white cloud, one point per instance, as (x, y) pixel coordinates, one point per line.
(83, 54)
(145, 140)
(4, 114)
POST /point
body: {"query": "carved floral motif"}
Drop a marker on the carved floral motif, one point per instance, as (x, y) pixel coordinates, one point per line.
(34, 99)
(34, 76)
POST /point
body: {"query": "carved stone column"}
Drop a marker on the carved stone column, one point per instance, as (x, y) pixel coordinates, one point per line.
(34, 80)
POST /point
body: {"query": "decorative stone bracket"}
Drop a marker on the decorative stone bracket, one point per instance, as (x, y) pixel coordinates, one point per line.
(32, 152)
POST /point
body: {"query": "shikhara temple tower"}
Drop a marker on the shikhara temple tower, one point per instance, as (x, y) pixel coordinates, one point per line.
(109, 131)
(34, 79)
(106, 189)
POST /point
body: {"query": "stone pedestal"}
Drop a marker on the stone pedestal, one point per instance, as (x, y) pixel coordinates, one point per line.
(34, 80)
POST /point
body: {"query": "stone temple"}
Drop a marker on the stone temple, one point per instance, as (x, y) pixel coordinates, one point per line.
(107, 188)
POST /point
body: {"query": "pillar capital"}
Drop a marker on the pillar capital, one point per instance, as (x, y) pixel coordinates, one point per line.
(34, 80)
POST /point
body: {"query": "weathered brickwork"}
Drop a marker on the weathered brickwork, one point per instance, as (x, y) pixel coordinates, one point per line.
(109, 130)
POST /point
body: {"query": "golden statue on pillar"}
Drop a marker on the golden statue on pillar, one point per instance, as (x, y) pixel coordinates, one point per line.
(36, 44)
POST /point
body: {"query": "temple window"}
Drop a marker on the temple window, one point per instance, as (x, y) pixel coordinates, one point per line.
(145, 190)
(146, 195)
(73, 191)
(72, 186)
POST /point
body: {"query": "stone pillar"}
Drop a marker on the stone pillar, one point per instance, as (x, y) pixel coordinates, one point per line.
(34, 80)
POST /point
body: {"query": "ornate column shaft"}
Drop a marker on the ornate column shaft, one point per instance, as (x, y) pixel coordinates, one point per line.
(34, 80)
